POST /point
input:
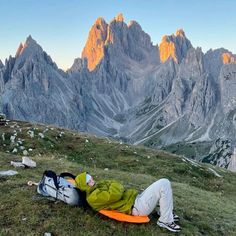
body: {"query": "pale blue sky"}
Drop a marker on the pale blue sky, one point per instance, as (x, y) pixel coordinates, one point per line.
(61, 26)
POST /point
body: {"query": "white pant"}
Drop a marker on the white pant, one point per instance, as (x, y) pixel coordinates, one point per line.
(158, 192)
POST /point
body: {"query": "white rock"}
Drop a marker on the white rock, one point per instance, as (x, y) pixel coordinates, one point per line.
(41, 135)
(25, 152)
(8, 172)
(17, 164)
(3, 137)
(12, 138)
(14, 150)
(47, 234)
(86, 141)
(20, 142)
(30, 133)
(28, 162)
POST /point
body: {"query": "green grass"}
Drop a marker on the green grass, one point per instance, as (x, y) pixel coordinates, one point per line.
(195, 150)
(205, 202)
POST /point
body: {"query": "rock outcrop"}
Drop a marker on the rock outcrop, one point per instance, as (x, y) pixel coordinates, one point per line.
(174, 47)
(94, 48)
(118, 40)
(232, 164)
(228, 58)
(1, 64)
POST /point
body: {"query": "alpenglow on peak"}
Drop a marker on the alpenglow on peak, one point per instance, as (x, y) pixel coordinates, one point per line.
(174, 46)
(180, 32)
(29, 43)
(119, 17)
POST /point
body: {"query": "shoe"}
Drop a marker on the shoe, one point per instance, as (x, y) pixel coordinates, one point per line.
(176, 217)
(170, 226)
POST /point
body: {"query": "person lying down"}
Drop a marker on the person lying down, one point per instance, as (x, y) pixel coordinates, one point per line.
(111, 195)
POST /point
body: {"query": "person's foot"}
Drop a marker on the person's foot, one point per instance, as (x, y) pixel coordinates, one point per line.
(176, 217)
(170, 226)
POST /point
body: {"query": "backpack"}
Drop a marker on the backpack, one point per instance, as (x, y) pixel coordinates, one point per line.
(61, 187)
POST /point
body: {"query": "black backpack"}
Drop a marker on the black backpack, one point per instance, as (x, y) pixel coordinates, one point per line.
(61, 187)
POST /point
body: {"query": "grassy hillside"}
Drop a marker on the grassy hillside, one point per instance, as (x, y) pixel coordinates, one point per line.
(204, 195)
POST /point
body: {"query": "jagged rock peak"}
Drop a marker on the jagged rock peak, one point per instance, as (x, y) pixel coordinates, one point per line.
(19, 50)
(118, 38)
(134, 23)
(228, 58)
(29, 43)
(180, 33)
(119, 17)
(174, 46)
(1, 64)
(94, 47)
(29, 40)
(100, 21)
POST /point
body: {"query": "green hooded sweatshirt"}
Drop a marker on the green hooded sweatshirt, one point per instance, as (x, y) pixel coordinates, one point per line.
(107, 194)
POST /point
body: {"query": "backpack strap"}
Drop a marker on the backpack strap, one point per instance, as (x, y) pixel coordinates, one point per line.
(52, 174)
(67, 174)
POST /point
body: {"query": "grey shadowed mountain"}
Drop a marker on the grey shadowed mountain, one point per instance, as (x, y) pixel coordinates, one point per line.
(171, 96)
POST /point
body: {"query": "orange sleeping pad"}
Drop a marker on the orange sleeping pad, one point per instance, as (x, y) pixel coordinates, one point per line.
(124, 217)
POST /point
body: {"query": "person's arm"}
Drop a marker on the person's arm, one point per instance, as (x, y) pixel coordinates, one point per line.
(106, 192)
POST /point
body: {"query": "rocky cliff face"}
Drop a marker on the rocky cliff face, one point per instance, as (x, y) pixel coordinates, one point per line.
(228, 58)
(174, 46)
(1, 77)
(127, 88)
(94, 48)
(35, 90)
(117, 80)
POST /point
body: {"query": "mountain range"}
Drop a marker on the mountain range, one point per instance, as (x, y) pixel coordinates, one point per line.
(171, 96)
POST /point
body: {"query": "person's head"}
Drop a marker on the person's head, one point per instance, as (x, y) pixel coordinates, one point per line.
(89, 180)
(84, 181)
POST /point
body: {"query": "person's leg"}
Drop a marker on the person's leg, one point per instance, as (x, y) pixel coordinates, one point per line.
(158, 192)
